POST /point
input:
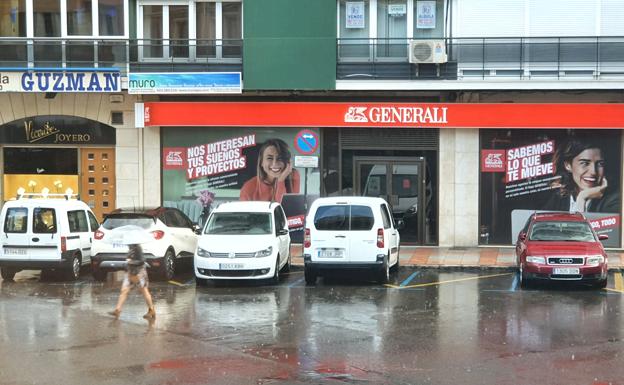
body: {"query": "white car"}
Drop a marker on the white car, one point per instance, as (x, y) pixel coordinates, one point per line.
(350, 233)
(243, 240)
(44, 233)
(175, 237)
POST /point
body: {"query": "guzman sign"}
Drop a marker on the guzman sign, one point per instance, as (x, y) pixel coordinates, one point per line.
(60, 81)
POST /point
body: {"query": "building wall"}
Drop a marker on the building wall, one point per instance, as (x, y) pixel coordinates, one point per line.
(289, 44)
(138, 182)
(459, 187)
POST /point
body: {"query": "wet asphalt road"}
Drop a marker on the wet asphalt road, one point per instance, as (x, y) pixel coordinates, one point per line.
(426, 327)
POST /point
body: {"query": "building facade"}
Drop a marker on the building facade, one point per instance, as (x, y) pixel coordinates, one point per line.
(465, 115)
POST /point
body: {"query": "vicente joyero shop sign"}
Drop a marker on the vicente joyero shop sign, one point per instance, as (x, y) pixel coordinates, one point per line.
(57, 129)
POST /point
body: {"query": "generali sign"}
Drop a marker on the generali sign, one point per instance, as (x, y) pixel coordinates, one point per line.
(429, 115)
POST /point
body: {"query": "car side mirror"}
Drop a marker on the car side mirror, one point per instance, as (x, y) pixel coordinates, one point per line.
(522, 236)
(603, 237)
(400, 225)
(196, 228)
(282, 231)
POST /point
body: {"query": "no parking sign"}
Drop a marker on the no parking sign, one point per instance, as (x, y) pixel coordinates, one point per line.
(306, 142)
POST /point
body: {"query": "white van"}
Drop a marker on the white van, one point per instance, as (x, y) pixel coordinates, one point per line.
(45, 233)
(350, 232)
(243, 240)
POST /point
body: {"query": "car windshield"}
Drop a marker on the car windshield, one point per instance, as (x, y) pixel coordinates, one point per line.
(115, 221)
(239, 223)
(561, 231)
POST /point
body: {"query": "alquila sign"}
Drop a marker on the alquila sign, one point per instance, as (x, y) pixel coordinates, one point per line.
(60, 81)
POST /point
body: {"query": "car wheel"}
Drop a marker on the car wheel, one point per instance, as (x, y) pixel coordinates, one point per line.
(310, 276)
(7, 273)
(168, 266)
(201, 282)
(384, 272)
(99, 275)
(276, 276)
(524, 282)
(73, 270)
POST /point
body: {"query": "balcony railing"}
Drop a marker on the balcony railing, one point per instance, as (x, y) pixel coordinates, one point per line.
(127, 55)
(560, 58)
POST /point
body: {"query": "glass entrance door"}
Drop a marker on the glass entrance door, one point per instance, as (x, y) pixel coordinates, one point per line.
(401, 183)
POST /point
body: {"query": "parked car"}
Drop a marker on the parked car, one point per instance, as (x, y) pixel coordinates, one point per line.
(175, 237)
(561, 247)
(243, 240)
(46, 233)
(348, 233)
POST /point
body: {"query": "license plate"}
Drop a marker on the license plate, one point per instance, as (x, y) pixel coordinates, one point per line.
(8, 251)
(231, 266)
(119, 246)
(566, 270)
(330, 254)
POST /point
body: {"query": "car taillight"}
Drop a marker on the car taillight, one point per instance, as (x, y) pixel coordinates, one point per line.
(307, 242)
(63, 244)
(158, 234)
(98, 234)
(380, 238)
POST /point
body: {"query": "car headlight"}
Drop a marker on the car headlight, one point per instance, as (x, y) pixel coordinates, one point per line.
(532, 259)
(203, 253)
(595, 260)
(264, 253)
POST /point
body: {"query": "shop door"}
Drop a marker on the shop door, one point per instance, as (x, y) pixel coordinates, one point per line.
(97, 179)
(401, 183)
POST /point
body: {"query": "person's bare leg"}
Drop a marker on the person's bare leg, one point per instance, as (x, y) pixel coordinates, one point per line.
(150, 305)
(123, 295)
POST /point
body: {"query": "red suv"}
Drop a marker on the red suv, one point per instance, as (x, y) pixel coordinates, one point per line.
(561, 246)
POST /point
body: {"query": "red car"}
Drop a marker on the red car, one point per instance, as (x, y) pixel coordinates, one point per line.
(563, 247)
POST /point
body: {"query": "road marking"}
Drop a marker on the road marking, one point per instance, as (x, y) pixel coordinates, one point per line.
(409, 279)
(514, 283)
(616, 291)
(618, 281)
(176, 283)
(296, 282)
(451, 281)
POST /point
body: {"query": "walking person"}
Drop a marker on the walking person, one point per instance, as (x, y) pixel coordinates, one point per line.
(136, 275)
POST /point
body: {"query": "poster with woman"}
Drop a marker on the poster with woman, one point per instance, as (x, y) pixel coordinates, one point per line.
(523, 171)
(205, 166)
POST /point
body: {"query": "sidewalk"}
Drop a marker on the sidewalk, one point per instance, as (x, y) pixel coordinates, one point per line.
(463, 257)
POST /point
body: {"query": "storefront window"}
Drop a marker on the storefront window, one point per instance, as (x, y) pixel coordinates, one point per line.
(79, 17)
(111, 17)
(524, 171)
(13, 18)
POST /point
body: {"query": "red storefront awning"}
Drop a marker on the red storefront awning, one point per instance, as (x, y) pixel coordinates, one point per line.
(425, 115)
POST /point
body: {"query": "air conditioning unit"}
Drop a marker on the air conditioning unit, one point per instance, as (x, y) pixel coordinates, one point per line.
(427, 51)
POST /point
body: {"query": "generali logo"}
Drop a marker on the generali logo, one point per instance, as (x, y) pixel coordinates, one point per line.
(174, 158)
(389, 114)
(493, 160)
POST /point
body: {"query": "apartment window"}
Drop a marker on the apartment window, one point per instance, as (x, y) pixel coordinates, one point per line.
(47, 18)
(111, 17)
(391, 28)
(79, 17)
(153, 30)
(205, 21)
(232, 29)
(178, 30)
(13, 18)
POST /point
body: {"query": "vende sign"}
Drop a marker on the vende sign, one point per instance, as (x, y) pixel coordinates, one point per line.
(426, 115)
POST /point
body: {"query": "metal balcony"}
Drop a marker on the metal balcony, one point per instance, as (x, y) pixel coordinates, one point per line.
(506, 59)
(127, 55)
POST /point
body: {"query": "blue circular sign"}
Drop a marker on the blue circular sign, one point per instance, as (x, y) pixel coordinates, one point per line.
(306, 142)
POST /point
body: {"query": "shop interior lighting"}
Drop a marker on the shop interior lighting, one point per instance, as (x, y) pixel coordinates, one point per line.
(20, 192)
(44, 192)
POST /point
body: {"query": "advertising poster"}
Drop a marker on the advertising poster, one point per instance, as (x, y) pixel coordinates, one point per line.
(355, 17)
(524, 171)
(426, 14)
(203, 167)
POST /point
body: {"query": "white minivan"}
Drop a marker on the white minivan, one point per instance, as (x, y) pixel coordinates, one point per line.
(243, 240)
(350, 232)
(45, 234)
